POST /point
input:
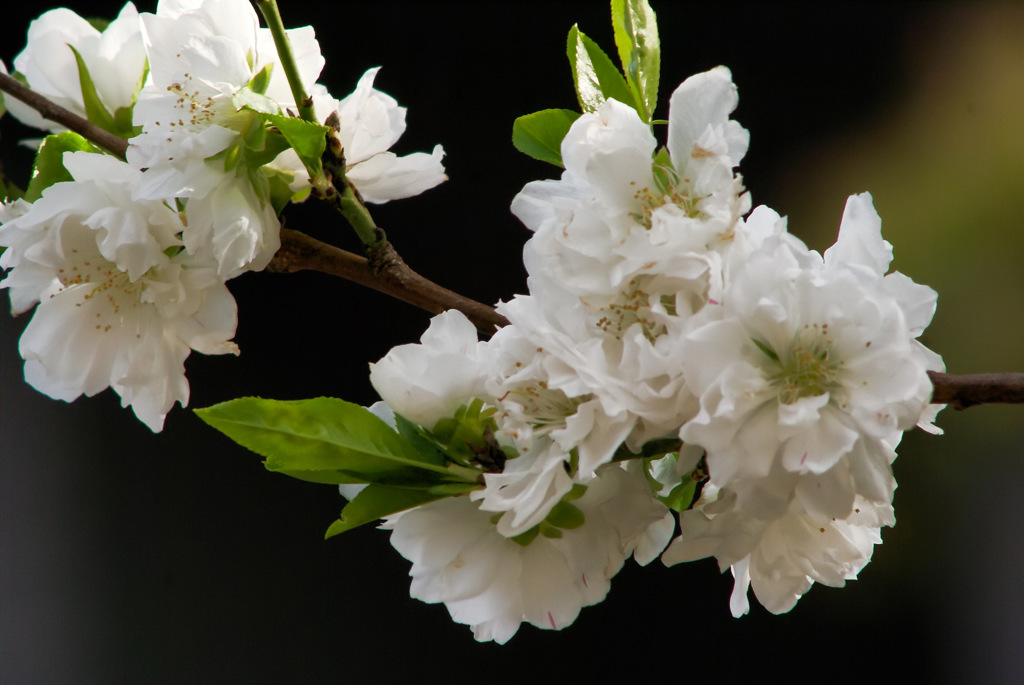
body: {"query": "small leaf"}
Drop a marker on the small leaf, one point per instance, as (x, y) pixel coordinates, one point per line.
(96, 112)
(260, 81)
(49, 164)
(565, 515)
(98, 23)
(681, 496)
(524, 539)
(254, 100)
(375, 502)
(595, 76)
(549, 531)
(540, 134)
(636, 37)
(323, 435)
(307, 139)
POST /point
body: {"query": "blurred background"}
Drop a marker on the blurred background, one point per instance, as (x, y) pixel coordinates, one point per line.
(139, 558)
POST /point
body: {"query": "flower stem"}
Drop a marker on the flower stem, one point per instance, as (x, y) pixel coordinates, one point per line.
(268, 8)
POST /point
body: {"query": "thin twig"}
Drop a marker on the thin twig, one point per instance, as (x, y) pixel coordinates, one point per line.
(967, 390)
(388, 274)
(67, 119)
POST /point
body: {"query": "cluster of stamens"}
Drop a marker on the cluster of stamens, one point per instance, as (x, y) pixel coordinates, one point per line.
(808, 369)
(666, 188)
(542, 408)
(633, 306)
(109, 284)
(197, 110)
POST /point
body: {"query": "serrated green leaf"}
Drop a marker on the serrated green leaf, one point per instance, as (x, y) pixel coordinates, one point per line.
(49, 164)
(323, 434)
(636, 37)
(595, 76)
(376, 502)
(307, 139)
(540, 134)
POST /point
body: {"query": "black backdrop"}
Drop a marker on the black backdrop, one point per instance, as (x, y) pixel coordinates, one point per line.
(133, 557)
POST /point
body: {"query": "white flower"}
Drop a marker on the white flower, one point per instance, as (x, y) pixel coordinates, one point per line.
(370, 122)
(203, 53)
(427, 381)
(782, 557)
(616, 213)
(115, 311)
(632, 370)
(115, 58)
(494, 584)
(810, 364)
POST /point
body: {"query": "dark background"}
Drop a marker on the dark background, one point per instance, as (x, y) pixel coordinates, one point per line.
(140, 558)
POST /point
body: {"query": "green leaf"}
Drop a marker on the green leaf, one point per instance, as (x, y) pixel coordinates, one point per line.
(681, 496)
(98, 23)
(261, 80)
(540, 134)
(95, 111)
(324, 435)
(418, 438)
(307, 139)
(254, 100)
(49, 164)
(595, 76)
(524, 539)
(376, 502)
(325, 477)
(468, 429)
(565, 515)
(636, 37)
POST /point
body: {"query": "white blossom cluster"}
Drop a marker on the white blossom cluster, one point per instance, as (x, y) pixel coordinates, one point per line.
(662, 308)
(128, 260)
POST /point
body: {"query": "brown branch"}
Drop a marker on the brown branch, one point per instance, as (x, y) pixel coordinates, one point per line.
(966, 390)
(387, 273)
(67, 119)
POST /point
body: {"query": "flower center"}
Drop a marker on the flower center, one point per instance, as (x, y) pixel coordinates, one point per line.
(666, 188)
(538, 407)
(633, 306)
(807, 369)
(112, 293)
(196, 110)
